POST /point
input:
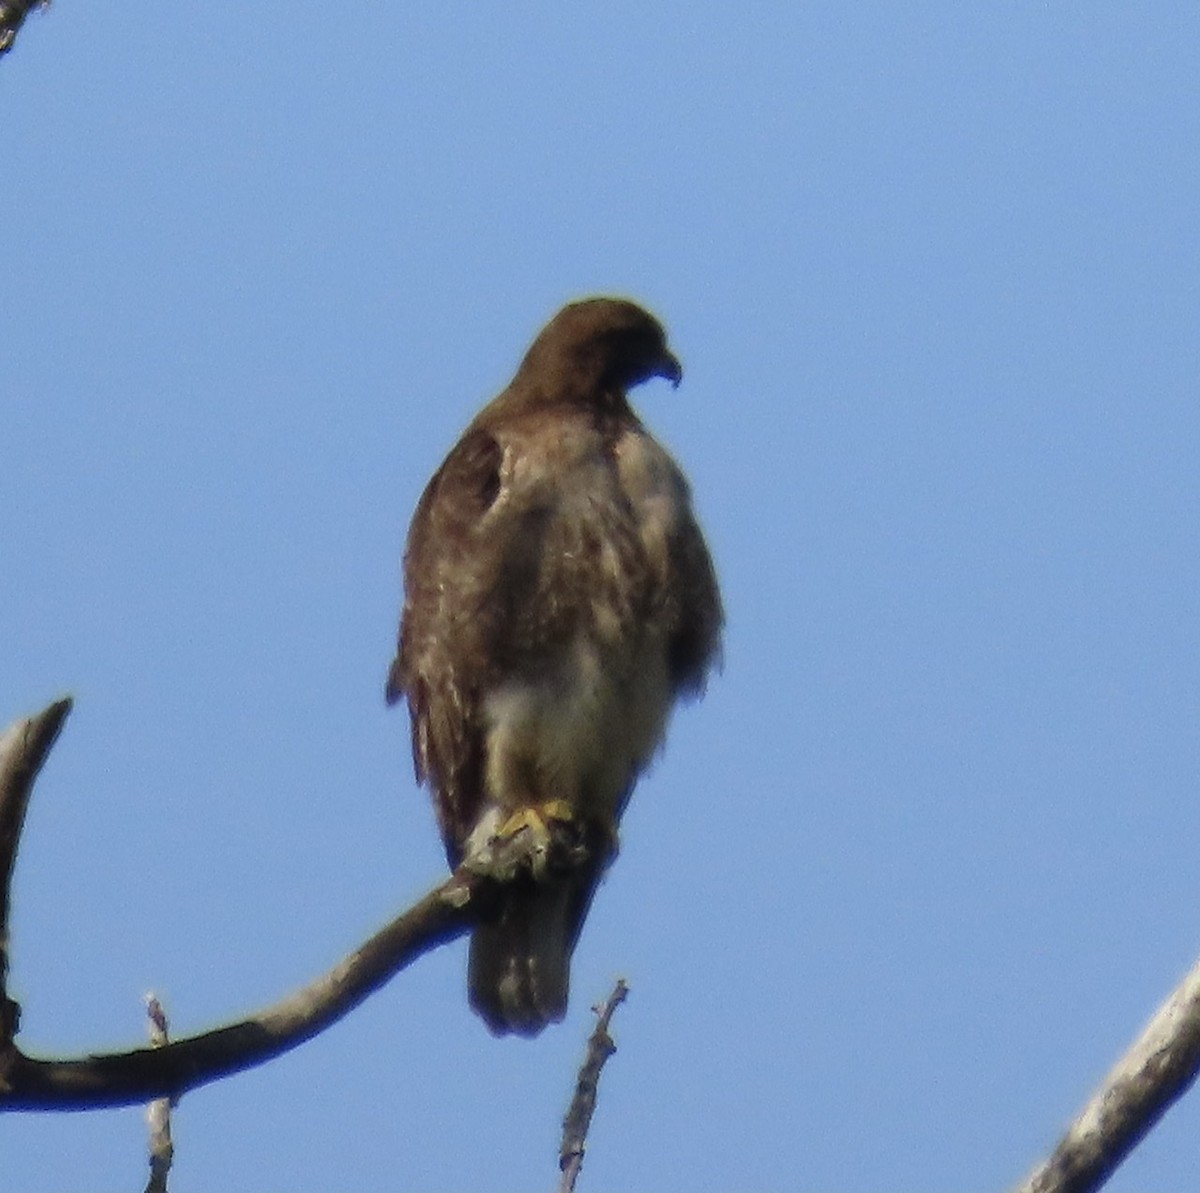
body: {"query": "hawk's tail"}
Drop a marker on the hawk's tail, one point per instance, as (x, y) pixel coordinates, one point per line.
(519, 969)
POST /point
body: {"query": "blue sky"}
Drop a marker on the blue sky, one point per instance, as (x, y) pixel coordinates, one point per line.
(912, 876)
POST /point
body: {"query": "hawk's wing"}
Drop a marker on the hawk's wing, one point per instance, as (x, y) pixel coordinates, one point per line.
(449, 623)
(694, 645)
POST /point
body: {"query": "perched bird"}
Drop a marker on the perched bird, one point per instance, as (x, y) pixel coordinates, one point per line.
(559, 598)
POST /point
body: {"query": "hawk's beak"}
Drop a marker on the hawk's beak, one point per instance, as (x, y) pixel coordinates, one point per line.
(671, 369)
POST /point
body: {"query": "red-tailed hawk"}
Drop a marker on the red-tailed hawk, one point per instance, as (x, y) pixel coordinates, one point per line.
(559, 598)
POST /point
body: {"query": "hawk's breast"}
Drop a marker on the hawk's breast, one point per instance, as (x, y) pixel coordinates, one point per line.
(585, 712)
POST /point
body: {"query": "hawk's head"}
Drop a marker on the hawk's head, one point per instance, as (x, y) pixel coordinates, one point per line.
(600, 345)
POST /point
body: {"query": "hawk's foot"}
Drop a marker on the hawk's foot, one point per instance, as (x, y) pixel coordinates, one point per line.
(539, 822)
(539, 840)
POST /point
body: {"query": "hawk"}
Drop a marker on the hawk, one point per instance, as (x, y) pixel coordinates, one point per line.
(559, 599)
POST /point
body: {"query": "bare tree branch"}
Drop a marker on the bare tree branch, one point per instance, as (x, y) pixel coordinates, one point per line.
(583, 1105)
(122, 1079)
(24, 747)
(12, 17)
(1157, 1070)
(128, 1078)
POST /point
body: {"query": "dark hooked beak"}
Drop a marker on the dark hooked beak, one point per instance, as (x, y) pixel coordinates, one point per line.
(671, 369)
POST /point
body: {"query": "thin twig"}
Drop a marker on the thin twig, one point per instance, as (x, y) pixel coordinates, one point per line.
(12, 17)
(158, 1113)
(1158, 1069)
(583, 1105)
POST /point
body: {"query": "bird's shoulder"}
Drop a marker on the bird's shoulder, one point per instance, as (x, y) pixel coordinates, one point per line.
(541, 442)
